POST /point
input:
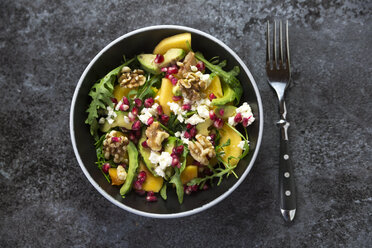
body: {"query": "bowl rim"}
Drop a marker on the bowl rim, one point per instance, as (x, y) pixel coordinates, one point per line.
(195, 210)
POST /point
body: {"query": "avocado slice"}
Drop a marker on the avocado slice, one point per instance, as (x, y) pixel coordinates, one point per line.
(170, 57)
(229, 111)
(132, 169)
(118, 122)
(145, 153)
(228, 96)
(202, 127)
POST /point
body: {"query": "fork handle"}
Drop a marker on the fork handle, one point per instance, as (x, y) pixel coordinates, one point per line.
(286, 180)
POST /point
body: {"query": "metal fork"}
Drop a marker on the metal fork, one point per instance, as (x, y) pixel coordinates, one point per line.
(279, 75)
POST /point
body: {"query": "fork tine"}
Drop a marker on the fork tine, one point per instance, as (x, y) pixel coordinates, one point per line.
(268, 45)
(274, 46)
(281, 60)
(288, 61)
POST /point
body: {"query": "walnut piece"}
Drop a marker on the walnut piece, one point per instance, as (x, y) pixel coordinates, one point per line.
(185, 66)
(131, 79)
(155, 136)
(191, 86)
(202, 149)
(115, 147)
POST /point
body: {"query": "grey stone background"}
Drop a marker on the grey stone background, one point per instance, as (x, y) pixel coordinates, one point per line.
(46, 201)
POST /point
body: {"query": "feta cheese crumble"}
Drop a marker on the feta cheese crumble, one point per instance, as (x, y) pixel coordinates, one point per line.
(122, 174)
(194, 120)
(193, 68)
(177, 110)
(203, 111)
(246, 112)
(241, 145)
(163, 161)
(110, 115)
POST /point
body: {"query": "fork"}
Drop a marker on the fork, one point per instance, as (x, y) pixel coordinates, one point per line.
(279, 75)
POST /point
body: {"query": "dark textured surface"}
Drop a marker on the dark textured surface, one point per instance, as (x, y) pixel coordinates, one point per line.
(47, 201)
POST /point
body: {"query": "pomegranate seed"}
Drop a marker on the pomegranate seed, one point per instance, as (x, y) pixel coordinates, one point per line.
(115, 139)
(124, 107)
(169, 76)
(187, 135)
(172, 69)
(159, 58)
(141, 192)
(246, 121)
(174, 155)
(238, 118)
(150, 193)
(137, 133)
(132, 137)
(138, 102)
(192, 131)
(218, 123)
(131, 117)
(106, 167)
(164, 69)
(164, 119)
(221, 112)
(213, 136)
(212, 96)
(174, 81)
(159, 109)
(137, 185)
(125, 100)
(205, 187)
(175, 162)
(200, 65)
(176, 98)
(189, 126)
(179, 149)
(194, 187)
(212, 115)
(135, 111)
(151, 198)
(144, 144)
(136, 125)
(114, 100)
(186, 107)
(149, 102)
(187, 190)
(141, 176)
(150, 121)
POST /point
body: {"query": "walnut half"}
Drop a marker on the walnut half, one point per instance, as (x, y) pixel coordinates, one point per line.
(115, 147)
(202, 149)
(131, 79)
(155, 136)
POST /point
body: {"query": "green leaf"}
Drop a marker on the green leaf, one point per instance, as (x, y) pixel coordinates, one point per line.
(176, 180)
(163, 191)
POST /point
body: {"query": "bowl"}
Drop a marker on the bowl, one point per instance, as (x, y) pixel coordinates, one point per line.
(144, 40)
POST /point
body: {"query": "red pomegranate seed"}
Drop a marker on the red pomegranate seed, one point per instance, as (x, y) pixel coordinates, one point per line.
(141, 176)
(194, 187)
(169, 76)
(137, 185)
(140, 192)
(176, 98)
(186, 107)
(135, 111)
(174, 155)
(179, 149)
(144, 144)
(136, 125)
(193, 131)
(137, 133)
(125, 100)
(115, 139)
(151, 198)
(138, 102)
(150, 121)
(218, 123)
(246, 121)
(213, 136)
(159, 58)
(131, 117)
(132, 137)
(174, 81)
(150, 193)
(189, 126)
(187, 135)
(106, 167)
(221, 112)
(200, 65)
(172, 69)
(212, 115)
(124, 107)
(159, 109)
(175, 162)
(238, 118)
(212, 96)
(149, 102)
(114, 100)
(205, 187)
(164, 69)
(164, 119)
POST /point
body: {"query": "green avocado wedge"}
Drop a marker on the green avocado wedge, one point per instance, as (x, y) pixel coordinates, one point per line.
(132, 169)
(145, 154)
(170, 57)
(228, 96)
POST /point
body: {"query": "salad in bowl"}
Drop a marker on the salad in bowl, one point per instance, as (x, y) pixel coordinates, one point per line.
(170, 120)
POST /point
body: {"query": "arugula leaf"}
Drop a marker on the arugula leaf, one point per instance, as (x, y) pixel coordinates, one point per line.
(101, 93)
(146, 90)
(219, 173)
(227, 77)
(176, 180)
(163, 191)
(101, 157)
